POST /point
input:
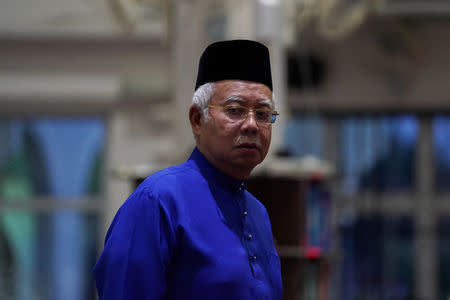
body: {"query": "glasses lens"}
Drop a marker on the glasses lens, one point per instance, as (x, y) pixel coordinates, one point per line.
(235, 112)
(273, 118)
(263, 115)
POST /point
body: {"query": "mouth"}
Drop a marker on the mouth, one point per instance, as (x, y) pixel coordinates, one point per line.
(249, 146)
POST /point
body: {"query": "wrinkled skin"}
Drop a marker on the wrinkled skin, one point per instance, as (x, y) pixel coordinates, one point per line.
(234, 147)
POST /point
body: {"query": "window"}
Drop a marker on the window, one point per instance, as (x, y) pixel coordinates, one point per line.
(441, 140)
(305, 135)
(50, 189)
(377, 258)
(444, 257)
(377, 153)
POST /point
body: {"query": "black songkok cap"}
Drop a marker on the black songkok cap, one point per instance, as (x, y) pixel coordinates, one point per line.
(235, 59)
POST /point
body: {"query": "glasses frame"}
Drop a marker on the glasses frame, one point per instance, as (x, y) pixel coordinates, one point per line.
(253, 110)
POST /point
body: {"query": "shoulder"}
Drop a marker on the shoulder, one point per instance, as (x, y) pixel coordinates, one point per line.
(162, 178)
(168, 187)
(169, 180)
(155, 198)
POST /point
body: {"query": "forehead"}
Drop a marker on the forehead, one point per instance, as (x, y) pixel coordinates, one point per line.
(247, 90)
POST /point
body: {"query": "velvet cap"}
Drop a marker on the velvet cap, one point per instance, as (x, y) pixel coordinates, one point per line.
(235, 59)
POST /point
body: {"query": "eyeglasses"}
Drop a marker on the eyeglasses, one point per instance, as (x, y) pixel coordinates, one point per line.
(239, 113)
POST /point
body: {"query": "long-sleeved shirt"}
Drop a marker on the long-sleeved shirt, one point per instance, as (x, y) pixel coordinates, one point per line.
(190, 232)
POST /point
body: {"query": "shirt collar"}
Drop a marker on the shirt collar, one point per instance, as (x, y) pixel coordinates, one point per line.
(212, 173)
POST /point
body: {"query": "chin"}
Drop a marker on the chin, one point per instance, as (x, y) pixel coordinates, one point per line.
(250, 163)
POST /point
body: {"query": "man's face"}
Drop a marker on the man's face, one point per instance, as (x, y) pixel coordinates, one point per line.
(236, 146)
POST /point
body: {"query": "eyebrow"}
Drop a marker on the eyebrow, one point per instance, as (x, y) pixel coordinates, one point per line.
(234, 99)
(266, 102)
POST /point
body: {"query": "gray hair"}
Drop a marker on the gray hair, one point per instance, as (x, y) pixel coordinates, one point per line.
(201, 98)
(203, 95)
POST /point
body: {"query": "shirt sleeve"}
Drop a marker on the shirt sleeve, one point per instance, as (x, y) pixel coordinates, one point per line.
(137, 251)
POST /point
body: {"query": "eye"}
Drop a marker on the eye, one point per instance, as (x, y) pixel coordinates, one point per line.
(263, 114)
(235, 110)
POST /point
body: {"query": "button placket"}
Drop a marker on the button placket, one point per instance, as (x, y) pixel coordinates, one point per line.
(241, 187)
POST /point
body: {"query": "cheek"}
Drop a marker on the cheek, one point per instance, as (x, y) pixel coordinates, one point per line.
(265, 140)
(267, 135)
(228, 132)
(222, 136)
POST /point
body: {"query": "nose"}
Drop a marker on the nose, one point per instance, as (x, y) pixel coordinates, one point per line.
(249, 124)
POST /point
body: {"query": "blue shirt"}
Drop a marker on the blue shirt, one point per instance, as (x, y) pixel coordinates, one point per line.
(190, 232)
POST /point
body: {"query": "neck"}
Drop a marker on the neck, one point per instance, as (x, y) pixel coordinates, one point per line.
(231, 170)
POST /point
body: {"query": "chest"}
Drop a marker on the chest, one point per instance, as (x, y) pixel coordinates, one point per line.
(225, 247)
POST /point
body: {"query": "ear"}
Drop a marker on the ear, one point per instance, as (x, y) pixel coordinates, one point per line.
(195, 117)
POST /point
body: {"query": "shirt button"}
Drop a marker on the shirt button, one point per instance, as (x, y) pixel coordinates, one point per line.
(254, 258)
(249, 236)
(240, 189)
(245, 213)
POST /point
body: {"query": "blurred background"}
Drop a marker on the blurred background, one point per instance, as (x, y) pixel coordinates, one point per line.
(94, 94)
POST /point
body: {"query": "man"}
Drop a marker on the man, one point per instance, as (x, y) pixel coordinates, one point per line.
(192, 231)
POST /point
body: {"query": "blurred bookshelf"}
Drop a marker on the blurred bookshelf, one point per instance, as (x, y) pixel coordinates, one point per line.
(296, 195)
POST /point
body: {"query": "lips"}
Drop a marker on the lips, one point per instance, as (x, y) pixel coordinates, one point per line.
(248, 146)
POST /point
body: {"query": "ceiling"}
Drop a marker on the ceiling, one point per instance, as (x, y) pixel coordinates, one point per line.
(150, 17)
(82, 17)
